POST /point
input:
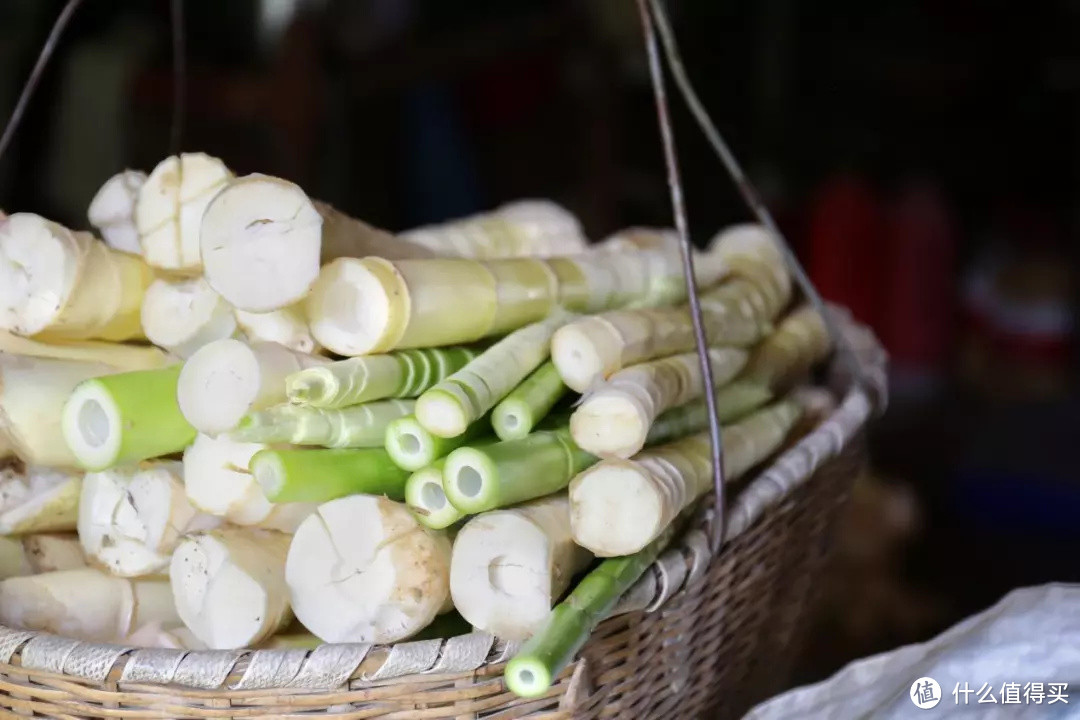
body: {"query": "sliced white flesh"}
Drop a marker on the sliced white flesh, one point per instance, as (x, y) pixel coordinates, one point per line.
(217, 480)
(261, 241)
(85, 604)
(361, 569)
(509, 567)
(38, 499)
(286, 326)
(40, 262)
(226, 379)
(183, 315)
(131, 518)
(112, 211)
(229, 585)
(171, 205)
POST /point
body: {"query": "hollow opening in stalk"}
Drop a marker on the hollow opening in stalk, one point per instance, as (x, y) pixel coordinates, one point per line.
(409, 443)
(469, 481)
(511, 421)
(93, 423)
(433, 496)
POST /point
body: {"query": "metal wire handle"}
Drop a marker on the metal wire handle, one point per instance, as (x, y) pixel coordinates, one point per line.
(654, 9)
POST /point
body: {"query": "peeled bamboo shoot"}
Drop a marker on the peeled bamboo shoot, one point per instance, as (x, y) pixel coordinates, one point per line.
(614, 418)
(112, 211)
(85, 604)
(229, 586)
(59, 284)
(363, 570)
(620, 506)
(217, 480)
(412, 447)
(39, 553)
(38, 499)
(425, 497)
(226, 379)
(518, 413)
(118, 356)
(131, 518)
(170, 207)
(33, 393)
(286, 326)
(510, 566)
(183, 315)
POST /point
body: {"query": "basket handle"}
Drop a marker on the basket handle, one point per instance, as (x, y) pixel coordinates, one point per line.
(651, 10)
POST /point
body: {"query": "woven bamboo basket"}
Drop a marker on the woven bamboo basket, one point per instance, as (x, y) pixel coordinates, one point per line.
(697, 636)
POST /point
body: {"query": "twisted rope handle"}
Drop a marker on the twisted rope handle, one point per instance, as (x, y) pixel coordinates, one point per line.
(651, 10)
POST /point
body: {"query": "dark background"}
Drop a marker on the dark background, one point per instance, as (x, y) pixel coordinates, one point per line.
(921, 156)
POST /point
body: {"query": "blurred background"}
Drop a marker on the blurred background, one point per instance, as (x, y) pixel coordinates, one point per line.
(921, 156)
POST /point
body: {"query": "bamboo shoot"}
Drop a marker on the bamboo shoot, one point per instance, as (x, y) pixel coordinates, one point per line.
(358, 426)
(183, 315)
(112, 211)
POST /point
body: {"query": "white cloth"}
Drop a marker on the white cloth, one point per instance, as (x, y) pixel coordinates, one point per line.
(1031, 636)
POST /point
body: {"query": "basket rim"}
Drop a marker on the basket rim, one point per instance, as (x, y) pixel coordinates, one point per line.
(331, 665)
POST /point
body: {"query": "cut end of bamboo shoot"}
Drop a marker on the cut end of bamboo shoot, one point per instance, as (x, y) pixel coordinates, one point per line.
(40, 263)
(578, 356)
(363, 570)
(467, 477)
(409, 444)
(219, 385)
(442, 413)
(599, 526)
(261, 238)
(229, 586)
(93, 426)
(218, 482)
(425, 497)
(610, 424)
(170, 206)
(183, 316)
(354, 308)
(527, 677)
(112, 211)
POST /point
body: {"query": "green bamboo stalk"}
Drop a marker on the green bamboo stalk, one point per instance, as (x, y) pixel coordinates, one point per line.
(512, 471)
(528, 403)
(543, 657)
(317, 476)
(358, 426)
(412, 447)
(425, 497)
(126, 418)
(403, 373)
(450, 407)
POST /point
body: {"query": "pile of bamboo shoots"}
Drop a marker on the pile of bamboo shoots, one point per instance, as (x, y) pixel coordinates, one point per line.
(243, 413)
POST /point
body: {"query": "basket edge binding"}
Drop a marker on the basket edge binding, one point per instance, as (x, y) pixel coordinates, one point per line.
(334, 666)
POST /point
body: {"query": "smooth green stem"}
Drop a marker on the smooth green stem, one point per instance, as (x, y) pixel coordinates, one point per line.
(412, 447)
(528, 403)
(358, 426)
(733, 401)
(319, 476)
(531, 672)
(425, 497)
(506, 473)
(451, 406)
(127, 417)
(404, 373)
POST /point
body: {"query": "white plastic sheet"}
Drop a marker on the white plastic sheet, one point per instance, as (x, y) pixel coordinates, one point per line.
(1030, 637)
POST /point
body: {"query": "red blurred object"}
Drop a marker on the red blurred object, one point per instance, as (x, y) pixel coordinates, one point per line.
(844, 246)
(918, 317)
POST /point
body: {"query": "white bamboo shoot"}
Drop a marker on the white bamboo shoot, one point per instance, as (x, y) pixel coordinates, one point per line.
(38, 499)
(361, 569)
(286, 326)
(229, 586)
(217, 480)
(120, 356)
(112, 211)
(226, 379)
(183, 315)
(509, 567)
(39, 553)
(85, 604)
(170, 207)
